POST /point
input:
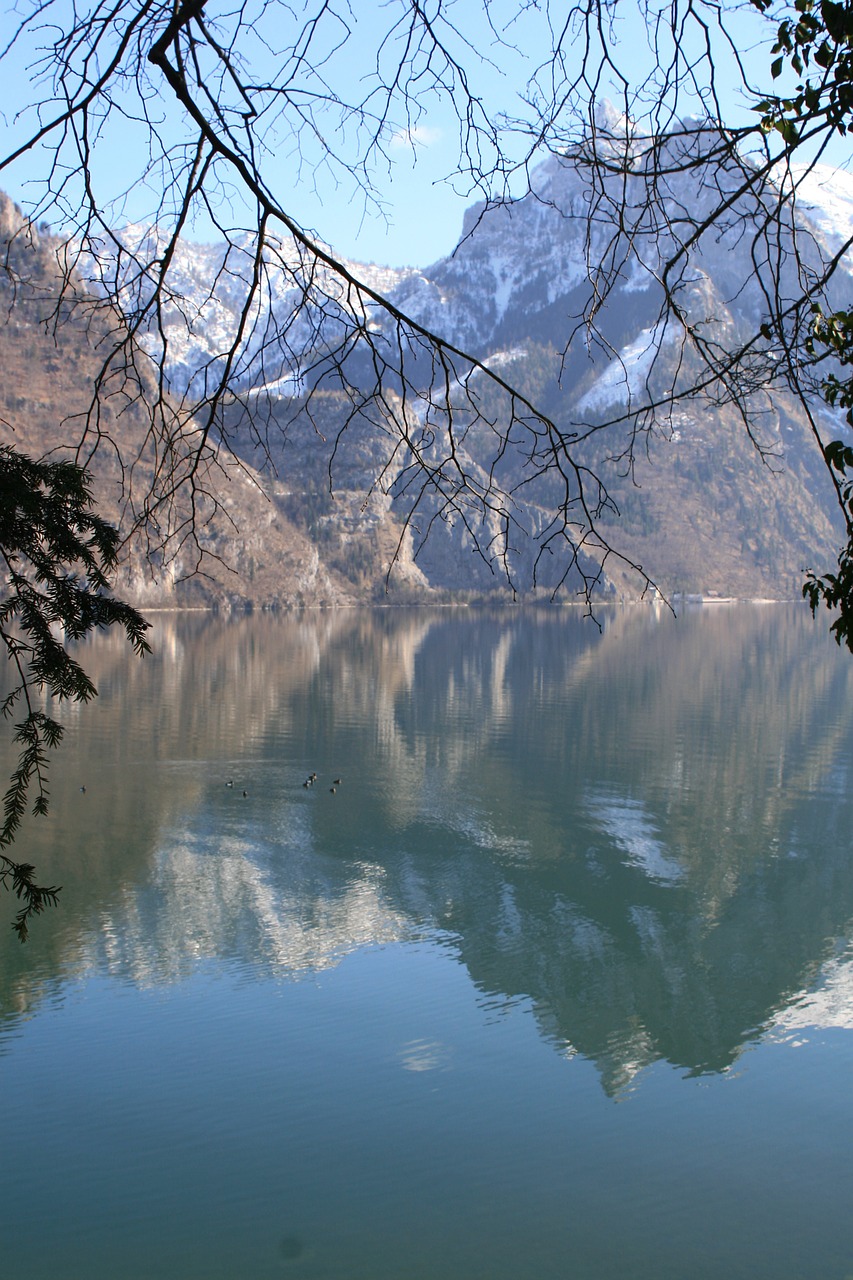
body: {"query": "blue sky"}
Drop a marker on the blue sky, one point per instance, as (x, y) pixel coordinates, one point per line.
(423, 210)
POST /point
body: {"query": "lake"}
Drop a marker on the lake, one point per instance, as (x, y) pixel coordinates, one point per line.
(557, 982)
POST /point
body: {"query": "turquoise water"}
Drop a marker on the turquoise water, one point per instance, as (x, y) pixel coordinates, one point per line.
(558, 982)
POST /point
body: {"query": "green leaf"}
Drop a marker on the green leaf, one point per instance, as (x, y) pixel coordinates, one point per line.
(788, 130)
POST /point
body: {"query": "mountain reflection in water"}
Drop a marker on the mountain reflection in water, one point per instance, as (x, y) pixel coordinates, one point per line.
(644, 832)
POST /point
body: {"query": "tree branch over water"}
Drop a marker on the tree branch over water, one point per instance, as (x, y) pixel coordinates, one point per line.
(56, 553)
(224, 113)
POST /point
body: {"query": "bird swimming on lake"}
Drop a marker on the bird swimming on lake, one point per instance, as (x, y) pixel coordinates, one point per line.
(230, 782)
(333, 790)
(338, 781)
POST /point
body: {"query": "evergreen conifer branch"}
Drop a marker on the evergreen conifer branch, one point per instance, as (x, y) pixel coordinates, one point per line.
(58, 555)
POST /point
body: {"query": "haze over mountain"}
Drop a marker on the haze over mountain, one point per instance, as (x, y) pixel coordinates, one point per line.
(701, 512)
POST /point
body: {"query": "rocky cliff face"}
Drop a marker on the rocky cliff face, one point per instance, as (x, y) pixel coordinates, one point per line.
(303, 521)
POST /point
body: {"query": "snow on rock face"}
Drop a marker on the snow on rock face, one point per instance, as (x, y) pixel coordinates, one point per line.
(510, 259)
(825, 197)
(208, 288)
(514, 265)
(624, 378)
(543, 251)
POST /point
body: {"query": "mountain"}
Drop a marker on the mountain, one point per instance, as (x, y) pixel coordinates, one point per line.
(209, 284)
(50, 351)
(698, 508)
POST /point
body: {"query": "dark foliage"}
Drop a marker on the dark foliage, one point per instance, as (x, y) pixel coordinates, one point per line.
(834, 334)
(56, 554)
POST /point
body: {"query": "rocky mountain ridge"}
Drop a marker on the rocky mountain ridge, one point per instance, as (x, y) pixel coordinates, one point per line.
(303, 521)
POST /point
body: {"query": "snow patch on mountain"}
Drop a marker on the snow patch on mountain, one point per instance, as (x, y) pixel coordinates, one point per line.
(825, 197)
(520, 269)
(500, 359)
(209, 285)
(626, 375)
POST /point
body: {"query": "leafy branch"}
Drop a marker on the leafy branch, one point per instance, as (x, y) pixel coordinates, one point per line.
(834, 334)
(818, 44)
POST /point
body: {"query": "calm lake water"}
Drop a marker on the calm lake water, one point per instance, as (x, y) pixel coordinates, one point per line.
(558, 982)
